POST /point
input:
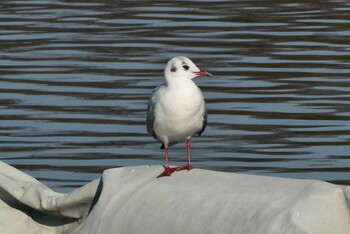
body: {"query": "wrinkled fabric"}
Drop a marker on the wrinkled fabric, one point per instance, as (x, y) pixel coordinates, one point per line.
(28, 206)
(133, 200)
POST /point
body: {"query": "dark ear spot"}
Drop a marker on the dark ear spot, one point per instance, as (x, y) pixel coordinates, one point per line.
(173, 69)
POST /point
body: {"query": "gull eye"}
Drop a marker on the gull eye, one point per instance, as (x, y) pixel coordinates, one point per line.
(185, 67)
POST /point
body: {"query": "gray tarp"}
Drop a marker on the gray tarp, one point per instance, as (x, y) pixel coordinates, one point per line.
(133, 200)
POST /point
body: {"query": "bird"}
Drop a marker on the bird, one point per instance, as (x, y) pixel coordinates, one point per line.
(176, 110)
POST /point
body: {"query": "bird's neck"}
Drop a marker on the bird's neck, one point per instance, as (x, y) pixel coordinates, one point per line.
(179, 82)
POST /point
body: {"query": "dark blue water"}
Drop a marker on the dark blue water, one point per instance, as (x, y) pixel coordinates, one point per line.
(75, 77)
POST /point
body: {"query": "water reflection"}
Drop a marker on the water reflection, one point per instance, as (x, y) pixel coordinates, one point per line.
(75, 78)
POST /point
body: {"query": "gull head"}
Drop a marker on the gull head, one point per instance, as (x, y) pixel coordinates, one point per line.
(183, 68)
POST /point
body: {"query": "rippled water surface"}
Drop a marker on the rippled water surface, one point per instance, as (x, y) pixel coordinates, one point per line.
(75, 77)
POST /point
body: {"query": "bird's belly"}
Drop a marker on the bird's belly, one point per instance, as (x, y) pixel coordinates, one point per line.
(178, 124)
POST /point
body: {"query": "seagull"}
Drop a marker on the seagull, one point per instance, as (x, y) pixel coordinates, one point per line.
(176, 110)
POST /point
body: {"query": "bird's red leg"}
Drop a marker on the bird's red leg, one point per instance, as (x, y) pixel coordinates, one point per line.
(189, 165)
(167, 169)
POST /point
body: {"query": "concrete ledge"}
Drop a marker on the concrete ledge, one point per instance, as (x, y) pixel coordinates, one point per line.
(133, 200)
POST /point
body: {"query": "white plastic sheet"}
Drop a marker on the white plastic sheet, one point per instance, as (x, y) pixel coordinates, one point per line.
(133, 200)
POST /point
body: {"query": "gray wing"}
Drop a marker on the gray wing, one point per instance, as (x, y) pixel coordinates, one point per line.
(204, 121)
(150, 110)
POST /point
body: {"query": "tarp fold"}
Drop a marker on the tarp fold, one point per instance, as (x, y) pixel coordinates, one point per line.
(134, 200)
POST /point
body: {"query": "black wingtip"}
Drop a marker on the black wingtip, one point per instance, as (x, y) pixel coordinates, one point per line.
(162, 146)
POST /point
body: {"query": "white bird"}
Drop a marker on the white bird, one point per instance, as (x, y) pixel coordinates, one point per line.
(176, 110)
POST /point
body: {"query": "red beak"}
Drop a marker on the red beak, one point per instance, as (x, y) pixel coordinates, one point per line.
(203, 73)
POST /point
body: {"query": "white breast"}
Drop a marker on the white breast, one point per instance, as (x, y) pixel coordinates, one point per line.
(179, 113)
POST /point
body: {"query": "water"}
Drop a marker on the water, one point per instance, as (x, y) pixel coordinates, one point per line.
(75, 77)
